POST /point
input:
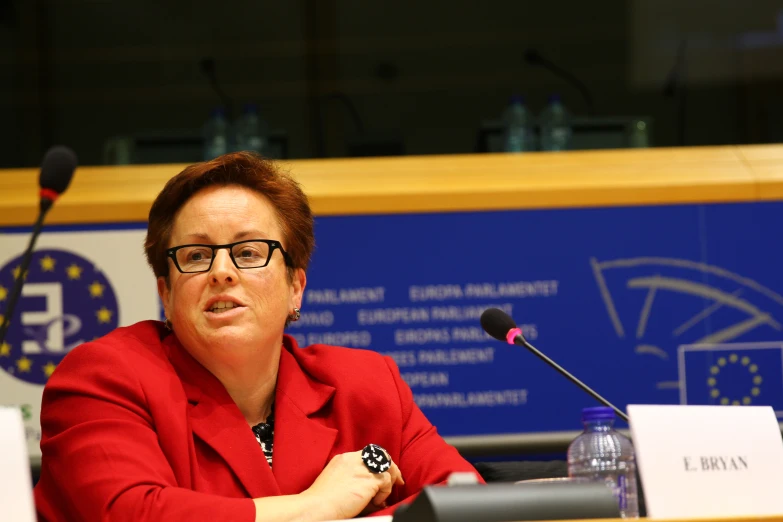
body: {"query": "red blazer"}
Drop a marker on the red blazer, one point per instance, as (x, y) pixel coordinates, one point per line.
(135, 429)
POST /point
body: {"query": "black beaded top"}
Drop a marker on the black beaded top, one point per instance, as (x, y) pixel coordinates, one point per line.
(265, 435)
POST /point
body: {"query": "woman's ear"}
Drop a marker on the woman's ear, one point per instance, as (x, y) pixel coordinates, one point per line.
(298, 284)
(164, 292)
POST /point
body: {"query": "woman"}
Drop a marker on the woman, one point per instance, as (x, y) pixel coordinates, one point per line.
(217, 415)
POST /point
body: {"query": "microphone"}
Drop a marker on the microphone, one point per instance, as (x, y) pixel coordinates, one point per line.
(534, 58)
(502, 327)
(676, 86)
(209, 69)
(57, 169)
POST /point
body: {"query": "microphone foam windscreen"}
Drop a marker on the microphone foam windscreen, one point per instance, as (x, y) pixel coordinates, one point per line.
(497, 323)
(57, 169)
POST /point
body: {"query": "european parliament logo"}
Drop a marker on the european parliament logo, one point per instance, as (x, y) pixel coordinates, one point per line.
(732, 374)
(66, 301)
(657, 304)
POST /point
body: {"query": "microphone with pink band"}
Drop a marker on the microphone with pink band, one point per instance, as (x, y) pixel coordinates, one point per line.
(57, 168)
(502, 327)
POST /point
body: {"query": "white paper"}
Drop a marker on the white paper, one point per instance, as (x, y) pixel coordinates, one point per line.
(16, 487)
(708, 461)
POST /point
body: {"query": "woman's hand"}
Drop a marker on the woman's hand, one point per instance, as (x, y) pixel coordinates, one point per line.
(346, 488)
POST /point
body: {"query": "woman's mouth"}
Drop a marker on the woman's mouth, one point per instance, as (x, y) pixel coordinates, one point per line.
(222, 306)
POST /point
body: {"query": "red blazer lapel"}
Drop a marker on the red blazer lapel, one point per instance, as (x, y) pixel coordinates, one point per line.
(216, 420)
(303, 442)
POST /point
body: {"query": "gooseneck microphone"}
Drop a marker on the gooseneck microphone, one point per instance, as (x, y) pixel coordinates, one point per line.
(57, 169)
(209, 69)
(502, 327)
(533, 57)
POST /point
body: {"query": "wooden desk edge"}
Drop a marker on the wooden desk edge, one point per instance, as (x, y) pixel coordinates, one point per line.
(747, 518)
(722, 175)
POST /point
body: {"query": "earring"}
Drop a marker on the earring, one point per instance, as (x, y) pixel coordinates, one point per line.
(295, 316)
(168, 325)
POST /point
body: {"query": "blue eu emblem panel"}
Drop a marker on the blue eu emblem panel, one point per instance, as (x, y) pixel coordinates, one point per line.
(732, 374)
(676, 304)
(610, 293)
(67, 301)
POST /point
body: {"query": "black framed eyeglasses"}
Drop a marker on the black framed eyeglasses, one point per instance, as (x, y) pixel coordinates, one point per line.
(251, 253)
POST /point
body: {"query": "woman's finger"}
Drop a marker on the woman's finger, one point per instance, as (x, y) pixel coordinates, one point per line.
(396, 475)
(384, 489)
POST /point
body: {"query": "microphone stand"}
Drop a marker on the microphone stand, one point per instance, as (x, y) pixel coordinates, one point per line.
(534, 58)
(46, 204)
(676, 87)
(209, 69)
(521, 341)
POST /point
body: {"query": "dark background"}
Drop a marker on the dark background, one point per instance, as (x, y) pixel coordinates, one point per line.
(421, 75)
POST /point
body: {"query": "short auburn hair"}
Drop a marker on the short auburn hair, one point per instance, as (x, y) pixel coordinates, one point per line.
(245, 169)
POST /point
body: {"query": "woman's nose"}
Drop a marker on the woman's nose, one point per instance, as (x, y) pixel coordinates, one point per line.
(223, 269)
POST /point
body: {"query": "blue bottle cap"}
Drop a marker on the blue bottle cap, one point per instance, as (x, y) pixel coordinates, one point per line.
(598, 413)
(554, 98)
(516, 98)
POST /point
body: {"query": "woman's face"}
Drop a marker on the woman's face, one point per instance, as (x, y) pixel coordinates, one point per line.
(262, 297)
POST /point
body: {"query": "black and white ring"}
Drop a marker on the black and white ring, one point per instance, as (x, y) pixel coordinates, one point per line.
(375, 458)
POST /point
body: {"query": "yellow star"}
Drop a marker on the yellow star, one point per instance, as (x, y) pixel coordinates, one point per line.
(74, 271)
(18, 270)
(5, 349)
(104, 315)
(47, 264)
(24, 364)
(48, 368)
(3, 293)
(96, 289)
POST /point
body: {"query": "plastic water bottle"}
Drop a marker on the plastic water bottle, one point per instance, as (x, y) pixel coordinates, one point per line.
(639, 136)
(216, 135)
(605, 455)
(555, 125)
(252, 130)
(518, 124)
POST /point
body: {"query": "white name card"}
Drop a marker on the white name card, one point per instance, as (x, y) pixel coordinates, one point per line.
(708, 461)
(16, 486)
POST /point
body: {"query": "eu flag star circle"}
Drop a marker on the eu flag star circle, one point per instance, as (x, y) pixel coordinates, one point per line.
(66, 301)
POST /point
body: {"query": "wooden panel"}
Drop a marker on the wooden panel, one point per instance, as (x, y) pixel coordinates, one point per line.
(765, 163)
(441, 183)
(771, 518)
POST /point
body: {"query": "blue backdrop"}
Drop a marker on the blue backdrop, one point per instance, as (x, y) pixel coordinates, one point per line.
(619, 296)
(663, 304)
